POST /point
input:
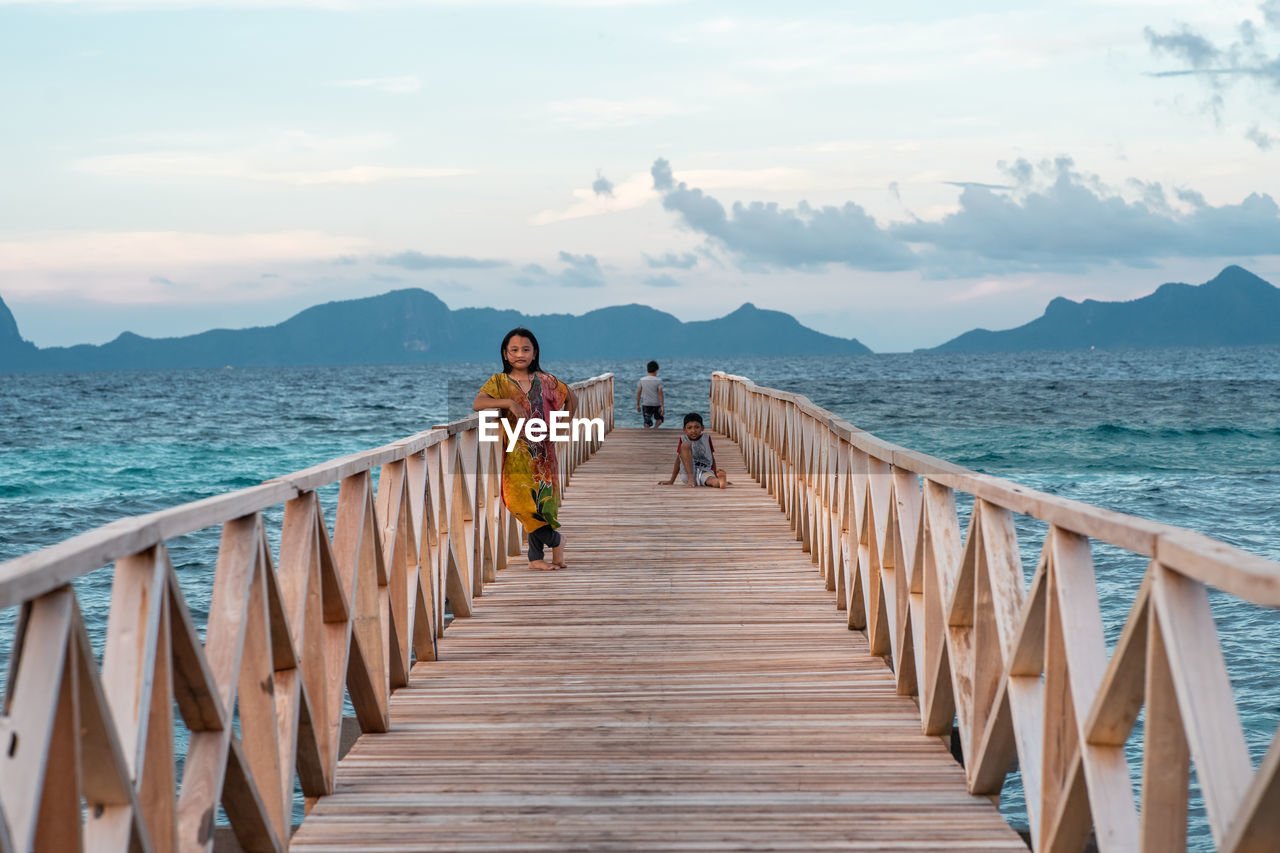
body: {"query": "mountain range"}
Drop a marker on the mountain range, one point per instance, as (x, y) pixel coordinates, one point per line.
(414, 326)
(1235, 308)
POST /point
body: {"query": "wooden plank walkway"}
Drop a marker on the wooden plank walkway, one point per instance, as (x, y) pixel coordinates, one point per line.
(686, 684)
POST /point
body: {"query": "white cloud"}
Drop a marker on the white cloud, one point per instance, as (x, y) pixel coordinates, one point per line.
(599, 113)
(294, 142)
(634, 192)
(232, 167)
(288, 157)
(987, 288)
(404, 85)
(352, 5)
(863, 146)
(776, 179)
(798, 51)
(171, 268)
(162, 250)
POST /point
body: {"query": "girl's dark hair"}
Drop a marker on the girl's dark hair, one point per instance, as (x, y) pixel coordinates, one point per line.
(521, 331)
(693, 418)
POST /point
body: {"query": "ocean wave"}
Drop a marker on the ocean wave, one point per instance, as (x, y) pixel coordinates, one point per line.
(241, 482)
(1110, 430)
(133, 471)
(988, 457)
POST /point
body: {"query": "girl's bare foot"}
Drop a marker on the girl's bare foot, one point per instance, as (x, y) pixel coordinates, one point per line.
(541, 566)
(557, 555)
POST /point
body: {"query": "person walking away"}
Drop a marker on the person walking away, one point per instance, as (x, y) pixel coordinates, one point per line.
(649, 397)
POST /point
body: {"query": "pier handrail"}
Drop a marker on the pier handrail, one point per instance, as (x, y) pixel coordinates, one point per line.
(87, 753)
(1023, 670)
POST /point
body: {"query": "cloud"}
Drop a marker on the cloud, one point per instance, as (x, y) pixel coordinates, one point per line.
(989, 287)
(663, 280)
(1050, 218)
(1074, 221)
(288, 157)
(418, 261)
(671, 260)
(775, 179)
(327, 5)
(172, 267)
(628, 195)
(1264, 141)
(403, 85)
(1248, 58)
(219, 167)
(579, 271)
(1192, 48)
(173, 249)
(602, 185)
(978, 184)
(800, 237)
(601, 114)
(662, 178)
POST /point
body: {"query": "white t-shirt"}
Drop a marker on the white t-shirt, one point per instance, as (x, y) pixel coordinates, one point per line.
(649, 388)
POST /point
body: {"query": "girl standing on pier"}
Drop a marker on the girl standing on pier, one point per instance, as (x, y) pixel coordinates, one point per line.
(530, 474)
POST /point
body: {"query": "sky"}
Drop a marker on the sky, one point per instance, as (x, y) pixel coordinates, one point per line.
(895, 172)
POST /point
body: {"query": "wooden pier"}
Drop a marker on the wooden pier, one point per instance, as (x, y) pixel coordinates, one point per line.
(686, 684)
(777, 665)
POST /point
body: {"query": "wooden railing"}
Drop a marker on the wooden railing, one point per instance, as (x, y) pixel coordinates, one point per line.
(1023, 671)
(87, 755)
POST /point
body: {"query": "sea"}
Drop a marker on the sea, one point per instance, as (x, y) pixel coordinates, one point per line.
(1189, 437)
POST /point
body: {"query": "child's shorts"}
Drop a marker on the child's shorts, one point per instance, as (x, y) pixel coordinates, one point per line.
(700, 476)
(652, 415)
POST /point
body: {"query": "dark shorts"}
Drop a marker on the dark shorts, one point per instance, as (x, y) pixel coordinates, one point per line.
(541, 539)
(652, 415)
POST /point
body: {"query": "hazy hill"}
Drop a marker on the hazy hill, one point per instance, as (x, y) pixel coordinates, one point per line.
(12, 347)
(412, 326)
(1236, 308)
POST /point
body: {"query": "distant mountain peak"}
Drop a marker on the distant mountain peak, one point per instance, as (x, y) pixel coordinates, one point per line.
(1173, 291)
(1234, 308)
(1236, 276)
(8, 325)
(13, 349)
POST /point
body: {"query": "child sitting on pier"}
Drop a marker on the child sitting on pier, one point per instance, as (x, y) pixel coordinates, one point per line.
(697, 456)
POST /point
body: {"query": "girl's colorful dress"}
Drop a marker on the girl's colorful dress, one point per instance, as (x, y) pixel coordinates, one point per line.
(530, 475)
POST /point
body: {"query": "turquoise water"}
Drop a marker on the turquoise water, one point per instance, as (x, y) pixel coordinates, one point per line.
(1187, 437)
